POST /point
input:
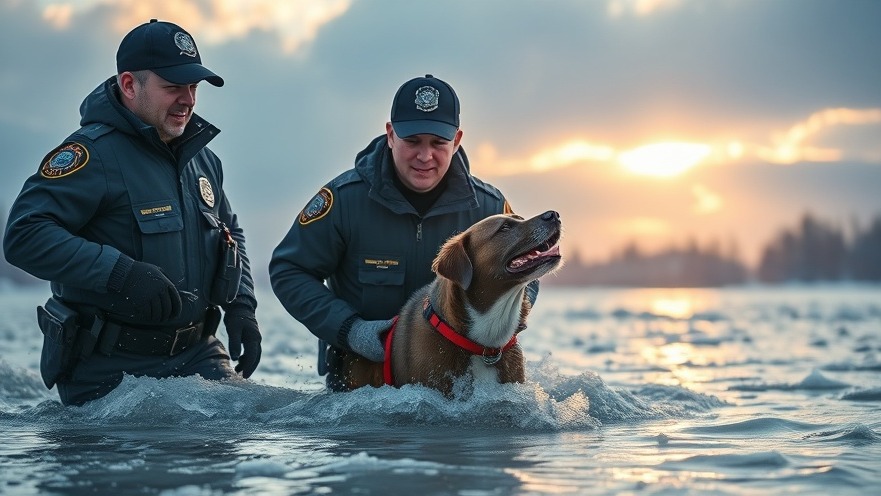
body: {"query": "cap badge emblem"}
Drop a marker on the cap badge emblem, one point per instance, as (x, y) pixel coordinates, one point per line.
(186, 44)
(427, 98)
(206, 191)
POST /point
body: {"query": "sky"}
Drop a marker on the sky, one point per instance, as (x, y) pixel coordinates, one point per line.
(659, 122)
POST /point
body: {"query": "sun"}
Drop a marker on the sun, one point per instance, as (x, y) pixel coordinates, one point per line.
(663, 159)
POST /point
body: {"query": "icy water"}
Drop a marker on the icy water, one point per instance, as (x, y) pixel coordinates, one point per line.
(730, 391)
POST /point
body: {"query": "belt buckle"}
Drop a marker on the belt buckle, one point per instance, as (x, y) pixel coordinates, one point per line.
(183, 338)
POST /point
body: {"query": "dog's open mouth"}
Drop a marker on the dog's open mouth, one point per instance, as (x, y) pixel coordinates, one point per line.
(545, 252)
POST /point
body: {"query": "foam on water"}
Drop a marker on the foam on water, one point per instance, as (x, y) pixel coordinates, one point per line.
(548, 401)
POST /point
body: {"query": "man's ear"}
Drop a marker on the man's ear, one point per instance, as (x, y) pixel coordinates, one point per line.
(127, 84)
(457, 139)
(452, 262)
(389, 134)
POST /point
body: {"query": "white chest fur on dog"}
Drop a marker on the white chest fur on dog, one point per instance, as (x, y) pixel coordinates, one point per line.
(493, 327)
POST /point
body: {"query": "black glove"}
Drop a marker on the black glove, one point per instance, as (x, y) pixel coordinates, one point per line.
(241, 327)
(363, 337)
(146, 295)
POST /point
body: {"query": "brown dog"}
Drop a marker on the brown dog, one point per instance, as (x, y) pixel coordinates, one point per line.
(469, 316)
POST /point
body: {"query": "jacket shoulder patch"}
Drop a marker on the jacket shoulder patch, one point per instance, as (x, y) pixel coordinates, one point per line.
(317, 207)
(65, 160)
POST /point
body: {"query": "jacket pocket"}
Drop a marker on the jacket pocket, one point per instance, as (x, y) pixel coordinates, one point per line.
(382, 286)
(161, 225)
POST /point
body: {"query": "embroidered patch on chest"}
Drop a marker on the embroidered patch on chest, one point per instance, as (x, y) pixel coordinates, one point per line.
(317, 207)
(67, 159)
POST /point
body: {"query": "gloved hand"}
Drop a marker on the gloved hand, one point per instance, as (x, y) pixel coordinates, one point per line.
(364, 338)
(241, 327)
(146, 295)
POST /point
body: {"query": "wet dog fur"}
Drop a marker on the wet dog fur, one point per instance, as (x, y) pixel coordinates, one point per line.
(480, 291)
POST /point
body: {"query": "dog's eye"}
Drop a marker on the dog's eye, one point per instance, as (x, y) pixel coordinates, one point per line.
(506, 226)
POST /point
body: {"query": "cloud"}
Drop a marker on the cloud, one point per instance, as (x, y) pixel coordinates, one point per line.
(851, 135)
(795, 145)
(296, 23)
(569, 153)
(545, 160)
(58, 15)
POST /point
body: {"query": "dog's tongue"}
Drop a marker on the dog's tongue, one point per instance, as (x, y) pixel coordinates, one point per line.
(524, 259)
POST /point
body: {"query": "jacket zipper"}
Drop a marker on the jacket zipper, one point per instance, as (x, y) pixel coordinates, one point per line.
(419, 231)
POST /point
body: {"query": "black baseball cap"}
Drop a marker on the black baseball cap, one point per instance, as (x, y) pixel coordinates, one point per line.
(426, 105)
(165, 49)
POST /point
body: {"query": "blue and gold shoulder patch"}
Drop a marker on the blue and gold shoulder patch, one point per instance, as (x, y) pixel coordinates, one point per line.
(67, 159)
(317, 207)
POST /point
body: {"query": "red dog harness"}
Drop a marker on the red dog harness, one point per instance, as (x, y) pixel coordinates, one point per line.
(387, 362)
(490, 355)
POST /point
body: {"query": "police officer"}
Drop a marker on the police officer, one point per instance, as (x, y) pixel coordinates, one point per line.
(372, 232)
(128, 220)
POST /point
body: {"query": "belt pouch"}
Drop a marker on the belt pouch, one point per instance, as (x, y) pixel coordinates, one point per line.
(228, 275)
(59, 325)
(212, 321)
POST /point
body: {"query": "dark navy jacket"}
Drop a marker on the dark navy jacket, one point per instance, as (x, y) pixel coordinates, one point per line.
(371, 246)
(133, 195)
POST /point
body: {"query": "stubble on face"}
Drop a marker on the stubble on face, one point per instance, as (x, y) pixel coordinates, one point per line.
(158, 104)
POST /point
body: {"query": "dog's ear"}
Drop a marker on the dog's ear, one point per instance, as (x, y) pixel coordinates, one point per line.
(452, 262)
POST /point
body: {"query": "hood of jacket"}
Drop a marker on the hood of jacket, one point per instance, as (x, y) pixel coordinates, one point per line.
(374, 164)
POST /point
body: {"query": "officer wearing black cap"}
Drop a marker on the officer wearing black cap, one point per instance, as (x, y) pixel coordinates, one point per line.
(367, 239)
(128, 220)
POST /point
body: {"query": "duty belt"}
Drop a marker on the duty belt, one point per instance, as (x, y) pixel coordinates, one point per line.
(158, 341)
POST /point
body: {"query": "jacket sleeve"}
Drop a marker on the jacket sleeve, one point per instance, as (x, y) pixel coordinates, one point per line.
(309, 254)
(52, 208)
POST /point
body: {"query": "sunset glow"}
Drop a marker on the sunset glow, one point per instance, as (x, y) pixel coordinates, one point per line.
(663, 159)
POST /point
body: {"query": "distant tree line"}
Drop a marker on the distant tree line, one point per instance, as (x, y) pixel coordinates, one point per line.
(691, 266)
(818, 251)
(813, 251)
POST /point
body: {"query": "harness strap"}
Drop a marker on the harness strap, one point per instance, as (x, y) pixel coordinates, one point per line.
(387, 362)
(490, 355)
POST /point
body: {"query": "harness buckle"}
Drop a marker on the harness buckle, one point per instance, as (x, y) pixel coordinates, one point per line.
(491, 359)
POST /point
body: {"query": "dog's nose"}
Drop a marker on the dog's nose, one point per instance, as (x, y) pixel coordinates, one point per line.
(550, 215)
